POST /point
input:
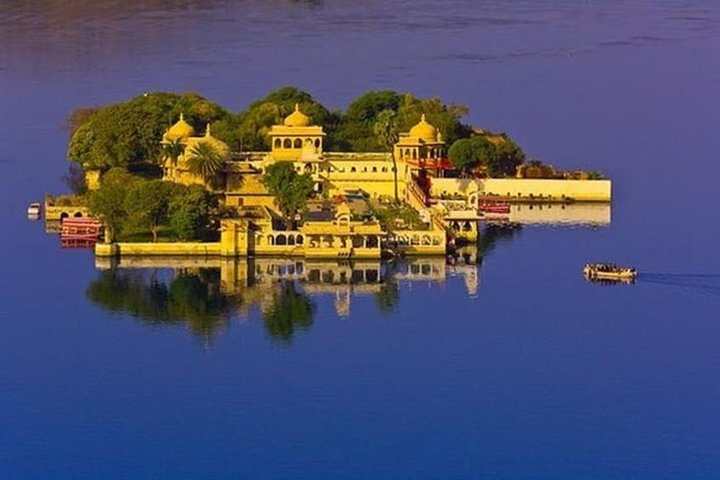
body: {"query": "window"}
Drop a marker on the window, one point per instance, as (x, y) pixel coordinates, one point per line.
(287, 143)
(298, 143)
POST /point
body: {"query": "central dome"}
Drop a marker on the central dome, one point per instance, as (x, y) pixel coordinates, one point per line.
(297, 118)
(424, 130)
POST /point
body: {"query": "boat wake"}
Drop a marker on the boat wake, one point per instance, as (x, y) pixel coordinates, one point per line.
(708, 284)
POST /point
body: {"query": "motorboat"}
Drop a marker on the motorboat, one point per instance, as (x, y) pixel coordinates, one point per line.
(34, 210)
(494, 206)
(609, 272)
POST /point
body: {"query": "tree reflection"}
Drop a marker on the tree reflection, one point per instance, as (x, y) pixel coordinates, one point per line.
(387, 297)
(191, 296)
(289, 311)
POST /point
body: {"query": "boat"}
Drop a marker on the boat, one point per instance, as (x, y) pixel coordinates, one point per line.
(494, 206)
(609, 272)
(33, 210)
(81, 230)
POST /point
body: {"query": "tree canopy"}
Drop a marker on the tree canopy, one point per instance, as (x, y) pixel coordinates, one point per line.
(255, 122)
(108, 202)
(148, 204)
(127, 134)
(290, 189)
(500, 158)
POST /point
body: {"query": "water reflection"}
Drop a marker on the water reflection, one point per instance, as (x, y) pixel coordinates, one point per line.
(191, 297)
(556, 214)
(206, 293)
(290, 310)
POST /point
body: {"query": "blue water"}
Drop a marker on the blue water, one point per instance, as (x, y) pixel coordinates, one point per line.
(538, 375)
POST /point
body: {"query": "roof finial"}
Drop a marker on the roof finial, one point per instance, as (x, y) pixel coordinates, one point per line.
(182, 117)
(422, 118)
(207, 130)
(297, 107)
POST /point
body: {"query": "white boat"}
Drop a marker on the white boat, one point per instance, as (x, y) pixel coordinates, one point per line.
(609, 272)
(33, 210)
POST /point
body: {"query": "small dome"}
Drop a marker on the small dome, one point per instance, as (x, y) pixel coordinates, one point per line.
(181, 129)
(424, 130)
(297, 118)
(218, 145)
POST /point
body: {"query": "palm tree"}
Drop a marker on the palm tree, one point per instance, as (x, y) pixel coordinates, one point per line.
(385, 129)
(204, 160)
(172, 149)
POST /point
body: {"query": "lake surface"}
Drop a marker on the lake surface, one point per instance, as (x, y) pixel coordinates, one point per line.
(511, 367)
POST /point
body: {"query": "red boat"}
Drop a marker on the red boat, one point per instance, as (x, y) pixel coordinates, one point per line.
(81, 231)
(493, 206)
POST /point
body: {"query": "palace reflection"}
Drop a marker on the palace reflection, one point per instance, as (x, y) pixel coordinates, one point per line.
(206, 293)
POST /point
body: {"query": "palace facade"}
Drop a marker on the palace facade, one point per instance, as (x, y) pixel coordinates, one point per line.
(298, 141)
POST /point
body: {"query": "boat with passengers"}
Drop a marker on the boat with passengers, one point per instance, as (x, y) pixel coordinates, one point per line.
(610, 272)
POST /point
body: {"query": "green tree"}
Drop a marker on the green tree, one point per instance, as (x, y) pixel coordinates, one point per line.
(497, 159)
(261, 115)
(355, 131)
(127, 134)
(191, 212)
(108, 202)
(291, 190)
(386, 130)
(172, 149)
(462, 155)
(290, 310)
(147, 204)
(445, 117)
(509, 156)
(204, 160)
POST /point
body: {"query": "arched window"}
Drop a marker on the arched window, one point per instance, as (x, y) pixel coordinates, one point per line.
(308, 167)
(280, 240)
(407, 152)
(291, 239)
(287, 143)
(298, 143)
(352, 169)
(317, 143)
(374, 169)
(414, 154)
(277, 143)
(299, 240)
